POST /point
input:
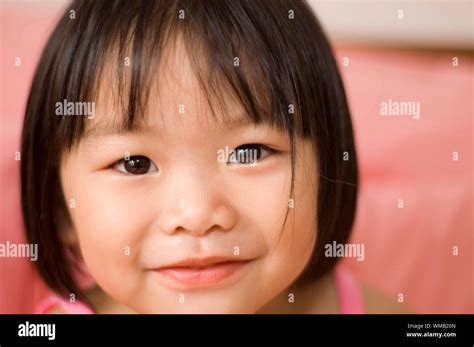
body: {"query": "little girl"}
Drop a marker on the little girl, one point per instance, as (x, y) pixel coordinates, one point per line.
(191, 157)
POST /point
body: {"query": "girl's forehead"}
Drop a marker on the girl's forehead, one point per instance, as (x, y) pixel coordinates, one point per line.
(174, 95)
(178, 90)
(167, 111)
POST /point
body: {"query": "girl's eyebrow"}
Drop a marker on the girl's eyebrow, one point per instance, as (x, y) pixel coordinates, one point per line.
(244, 121)
(239, 121)
(108, 130)
(120, 129)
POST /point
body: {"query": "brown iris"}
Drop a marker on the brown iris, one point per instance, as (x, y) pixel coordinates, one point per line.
(137, 165)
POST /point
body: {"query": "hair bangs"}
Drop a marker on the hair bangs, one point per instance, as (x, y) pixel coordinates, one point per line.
(121, 55)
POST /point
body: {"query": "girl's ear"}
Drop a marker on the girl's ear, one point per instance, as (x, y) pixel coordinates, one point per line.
(69, 236)
(67, 232)
(81, 274)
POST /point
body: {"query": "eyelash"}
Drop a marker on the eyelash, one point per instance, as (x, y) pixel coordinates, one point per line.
(133, 159)
(120, 164)
(269, 150)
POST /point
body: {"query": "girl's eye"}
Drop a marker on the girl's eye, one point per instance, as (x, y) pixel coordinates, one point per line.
(136, 165)
(249, 154)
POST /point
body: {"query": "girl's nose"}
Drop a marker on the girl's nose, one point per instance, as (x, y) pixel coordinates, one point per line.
(197, 207)
(199, 219)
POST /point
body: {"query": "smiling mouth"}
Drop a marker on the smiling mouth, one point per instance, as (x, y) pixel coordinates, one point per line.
(202, 275)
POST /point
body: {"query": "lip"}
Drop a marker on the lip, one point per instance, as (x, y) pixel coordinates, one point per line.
(202, 272)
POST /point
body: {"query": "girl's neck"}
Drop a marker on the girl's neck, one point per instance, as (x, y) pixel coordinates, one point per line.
(104, 304)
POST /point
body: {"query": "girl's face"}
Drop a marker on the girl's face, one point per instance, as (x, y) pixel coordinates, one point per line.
(181, 201)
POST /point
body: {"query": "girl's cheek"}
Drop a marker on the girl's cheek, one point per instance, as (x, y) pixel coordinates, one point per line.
(109, 236)
(117, 222)
(110, 218)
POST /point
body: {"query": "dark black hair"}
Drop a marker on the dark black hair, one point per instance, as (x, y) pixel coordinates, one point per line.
(284, 59)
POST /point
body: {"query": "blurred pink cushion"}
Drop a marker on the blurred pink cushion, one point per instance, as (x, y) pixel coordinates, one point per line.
(409, 251)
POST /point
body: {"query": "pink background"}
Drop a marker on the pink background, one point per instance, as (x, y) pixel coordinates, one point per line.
(407, 250)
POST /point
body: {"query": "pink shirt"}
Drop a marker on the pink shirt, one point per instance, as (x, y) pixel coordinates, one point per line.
(348, 292)
(350, 297)
(54, 300)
